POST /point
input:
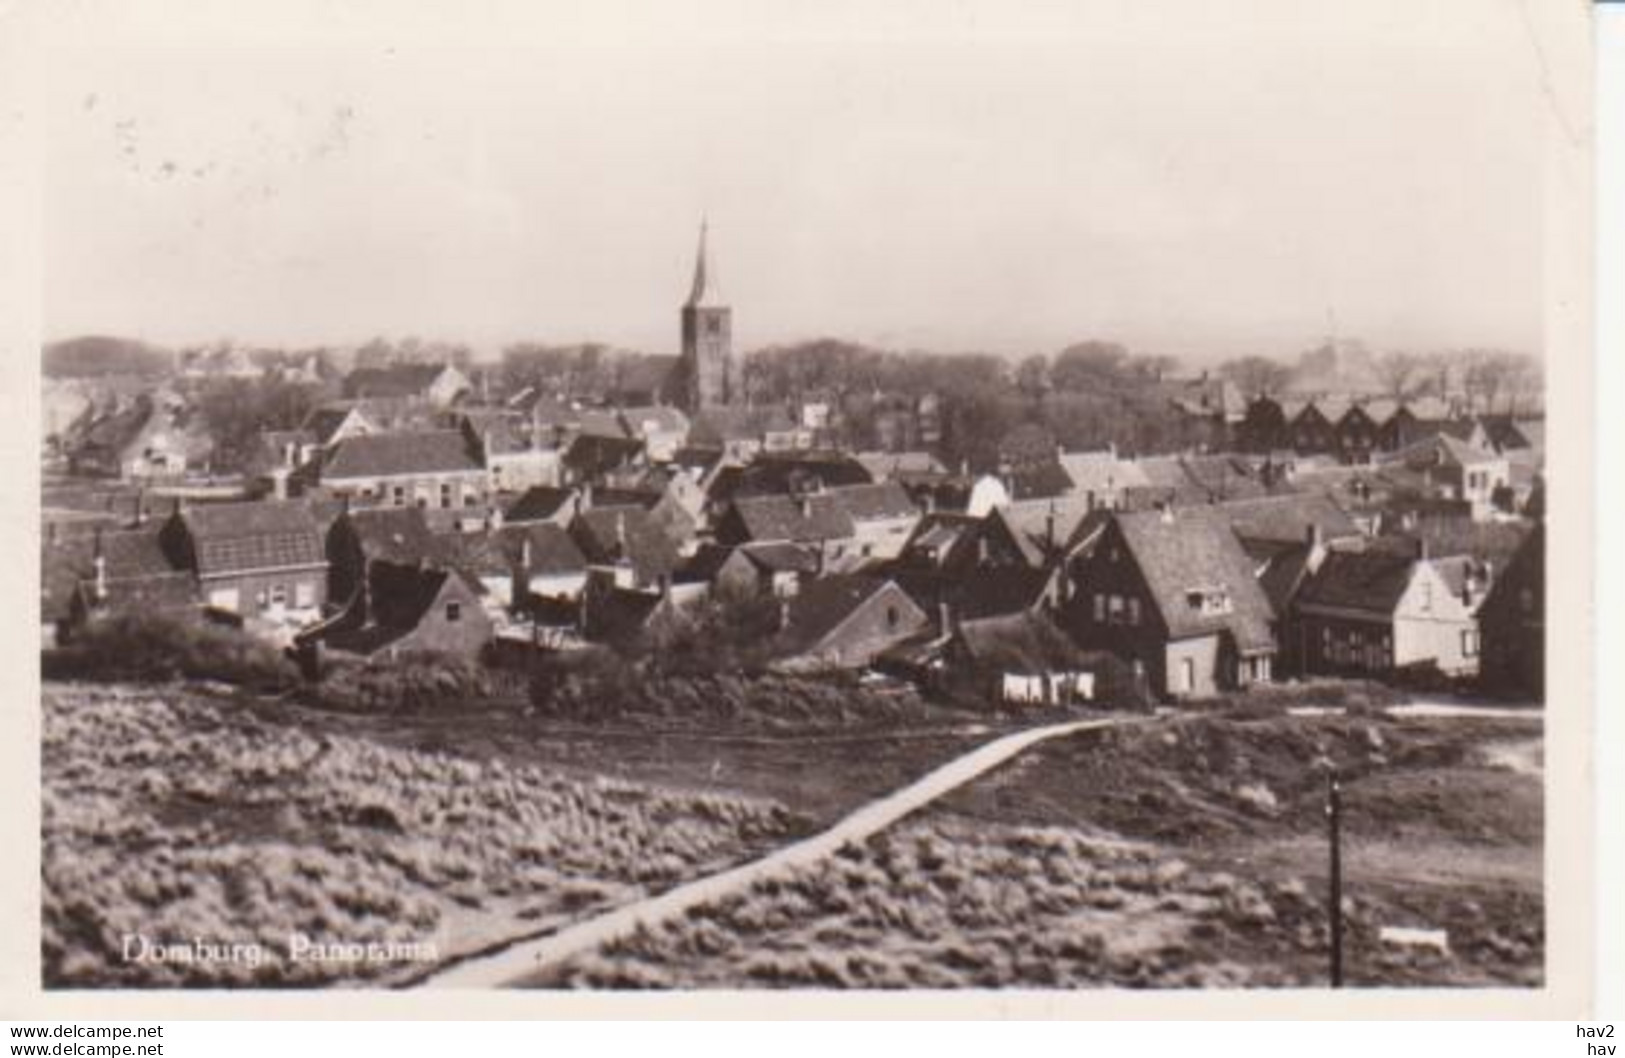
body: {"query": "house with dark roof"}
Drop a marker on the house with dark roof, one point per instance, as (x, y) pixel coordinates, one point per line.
(1375, 612)
(808, 519)
(752, 570)
(260, 560)
(844, 622)
(1173, 593)
(416, 468)
(1512, 624)
(358, 538)
(517, 563)
(542, 503)
(627, 544)
(593, 458)
(111, 572)
(408, 610)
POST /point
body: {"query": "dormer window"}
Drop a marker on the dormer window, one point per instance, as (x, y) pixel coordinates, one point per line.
(1208, 601)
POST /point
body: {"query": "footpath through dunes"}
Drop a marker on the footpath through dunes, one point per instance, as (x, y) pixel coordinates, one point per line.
(525, 960)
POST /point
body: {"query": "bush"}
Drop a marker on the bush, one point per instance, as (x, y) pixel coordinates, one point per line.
(153, 648)
(415, 683)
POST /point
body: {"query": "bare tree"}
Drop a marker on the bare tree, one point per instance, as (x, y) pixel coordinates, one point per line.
(1398, 372)
(1256, 375)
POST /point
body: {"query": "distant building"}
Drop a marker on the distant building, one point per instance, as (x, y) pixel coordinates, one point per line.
(708, 375)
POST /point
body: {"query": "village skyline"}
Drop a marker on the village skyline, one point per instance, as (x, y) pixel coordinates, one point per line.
(968, 186)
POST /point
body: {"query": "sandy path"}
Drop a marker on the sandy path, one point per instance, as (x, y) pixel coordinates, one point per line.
(526, 958)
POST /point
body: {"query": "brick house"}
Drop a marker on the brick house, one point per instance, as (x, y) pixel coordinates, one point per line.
(430, 468)
(1173, 592)
(264, 559)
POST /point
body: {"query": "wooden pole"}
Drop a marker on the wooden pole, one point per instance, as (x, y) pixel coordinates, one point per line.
(1334, 820)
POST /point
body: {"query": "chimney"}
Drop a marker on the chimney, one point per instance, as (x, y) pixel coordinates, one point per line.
(279, 483)
(99, 564)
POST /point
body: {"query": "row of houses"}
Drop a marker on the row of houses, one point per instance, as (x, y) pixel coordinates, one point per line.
(1176, 603)
(1356, 431)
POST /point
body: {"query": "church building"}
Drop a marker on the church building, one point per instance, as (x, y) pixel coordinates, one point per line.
(709, 377)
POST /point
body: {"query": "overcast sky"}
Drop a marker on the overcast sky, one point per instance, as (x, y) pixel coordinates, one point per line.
(999, 176)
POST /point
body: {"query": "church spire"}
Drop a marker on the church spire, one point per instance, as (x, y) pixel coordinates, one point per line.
(705, 292)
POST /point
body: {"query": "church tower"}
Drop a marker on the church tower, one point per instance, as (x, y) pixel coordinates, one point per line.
(707, 361)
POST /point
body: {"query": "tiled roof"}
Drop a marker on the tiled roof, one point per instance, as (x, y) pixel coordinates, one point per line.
(393, 534)
(1187, 550)
(552, 552)
(782, 518)
(409, 452)
(237, 537)
(782, 474)
(1372, 581)
(822, 605)
(781, 557)
(872, 502)
(1286, 517)
(978, 593)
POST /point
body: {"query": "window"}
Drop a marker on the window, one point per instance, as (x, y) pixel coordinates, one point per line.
(399, 495)
(279, 595)
(892, 617)
(445, 495)
(713, 325)
(454, 612)
(1100, 608)
(1133, 611)
(1469, 643)
(1187, 674)
(1114, 609)
(1427, 596)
